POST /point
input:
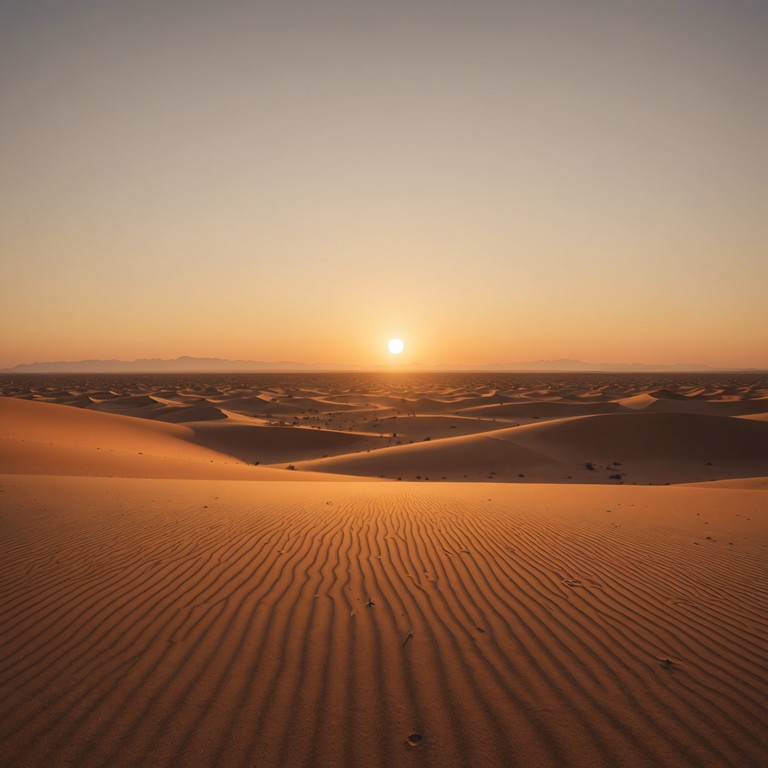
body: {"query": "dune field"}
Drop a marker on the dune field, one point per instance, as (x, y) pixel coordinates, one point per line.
(384, 570)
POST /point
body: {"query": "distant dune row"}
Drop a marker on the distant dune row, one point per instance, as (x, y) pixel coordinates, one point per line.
(570, 429)
(155, 622)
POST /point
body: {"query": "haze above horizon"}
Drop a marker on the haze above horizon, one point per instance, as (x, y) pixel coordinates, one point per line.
(489, 181)
(193, 365)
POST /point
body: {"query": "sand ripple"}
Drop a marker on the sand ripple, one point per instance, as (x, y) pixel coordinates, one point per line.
(156, 622)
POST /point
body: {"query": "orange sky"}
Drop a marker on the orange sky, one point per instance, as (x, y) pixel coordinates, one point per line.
(490, 181)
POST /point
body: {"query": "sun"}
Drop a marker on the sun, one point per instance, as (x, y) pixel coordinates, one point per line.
(395, 346)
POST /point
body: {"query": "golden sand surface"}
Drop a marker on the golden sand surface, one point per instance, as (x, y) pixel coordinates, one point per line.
(163, 602)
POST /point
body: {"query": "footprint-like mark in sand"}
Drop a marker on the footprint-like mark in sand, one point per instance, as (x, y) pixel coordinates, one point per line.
(587, 583)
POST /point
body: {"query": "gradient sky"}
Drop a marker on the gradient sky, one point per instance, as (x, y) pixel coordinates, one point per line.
(490, 181)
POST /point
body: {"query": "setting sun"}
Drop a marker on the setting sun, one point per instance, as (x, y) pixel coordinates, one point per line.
(396, 346)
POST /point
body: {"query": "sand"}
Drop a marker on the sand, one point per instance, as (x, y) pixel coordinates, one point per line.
(499, 428)
(156, 622)
(163, 605)
(43, 438)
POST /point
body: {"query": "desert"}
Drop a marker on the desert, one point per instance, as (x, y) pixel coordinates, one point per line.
(383, 384)
(383, 569)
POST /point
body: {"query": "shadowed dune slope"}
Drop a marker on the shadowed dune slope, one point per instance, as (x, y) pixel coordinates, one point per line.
(653, 447)
(121, 404)
(268, 444)
(257, 406)
(650, 447)
(409, 404)
(419, 427)
(650, 436)
(184, 413)
(305, 404)
(472, 457)
(192, 623)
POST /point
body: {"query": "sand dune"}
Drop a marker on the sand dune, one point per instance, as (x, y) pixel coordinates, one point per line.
(196, 623)
(178, 397)
(645, 448)
(755, 416)
(255, 405)
(471, 457)
(648, 402)
(102, 395)
(138, 406)
(538, 410)
(185, 413)
(664, 435)
(269, 444)
(495, 399)
(419, 427)
(80, 401)
(303, 404)
(165, 410)
(41, 422)
(655, 447)
(745, 483)
(409, 404)
(282, 406)
(50, 439)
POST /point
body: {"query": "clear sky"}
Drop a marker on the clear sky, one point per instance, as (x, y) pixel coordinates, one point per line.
(302, 180)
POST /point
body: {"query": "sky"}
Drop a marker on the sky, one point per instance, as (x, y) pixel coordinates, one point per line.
(302, 180)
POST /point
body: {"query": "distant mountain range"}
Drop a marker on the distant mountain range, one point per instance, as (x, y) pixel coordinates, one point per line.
(566, 365)
(183, 364)
(187, 364)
